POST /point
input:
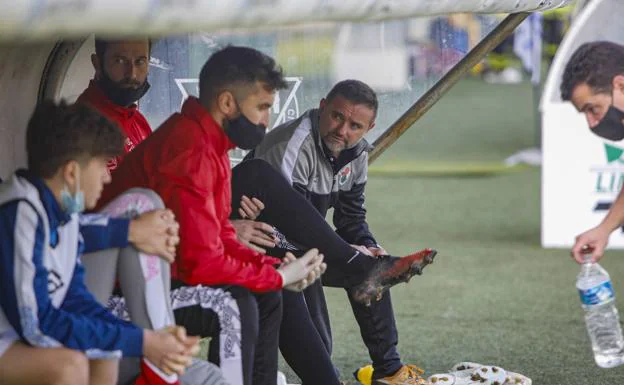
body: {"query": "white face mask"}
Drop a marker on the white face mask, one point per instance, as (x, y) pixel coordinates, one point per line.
(73, 204)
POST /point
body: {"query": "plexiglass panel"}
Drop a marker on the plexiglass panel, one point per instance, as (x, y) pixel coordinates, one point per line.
(399, 59)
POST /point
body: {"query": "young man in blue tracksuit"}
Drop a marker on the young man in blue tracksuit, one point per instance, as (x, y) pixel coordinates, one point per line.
(52, 330)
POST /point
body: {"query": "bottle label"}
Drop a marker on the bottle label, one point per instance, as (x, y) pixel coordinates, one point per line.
(597, 295)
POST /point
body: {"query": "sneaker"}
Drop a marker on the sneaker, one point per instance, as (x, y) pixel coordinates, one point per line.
(391, 271)
(486, 375)
(281, 378)
(470, 373)
(407, 375)
(364, 375)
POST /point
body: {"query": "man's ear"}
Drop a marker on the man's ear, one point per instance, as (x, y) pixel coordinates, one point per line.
(97, 65)
(322, 104)
(372, 125)
(618, 83)
(69, 173)
(226, 103)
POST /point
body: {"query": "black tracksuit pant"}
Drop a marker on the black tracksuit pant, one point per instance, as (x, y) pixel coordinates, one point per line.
(208, 311)
(305, 337)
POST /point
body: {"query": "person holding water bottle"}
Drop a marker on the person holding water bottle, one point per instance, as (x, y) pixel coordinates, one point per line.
(593, 81)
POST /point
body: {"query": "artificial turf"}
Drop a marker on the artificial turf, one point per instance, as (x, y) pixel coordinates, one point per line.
(494, 295)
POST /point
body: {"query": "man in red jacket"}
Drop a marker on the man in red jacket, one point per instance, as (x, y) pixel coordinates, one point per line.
(185, 161)
(120, 80)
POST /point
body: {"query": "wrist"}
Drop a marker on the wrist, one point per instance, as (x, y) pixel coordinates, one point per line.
(132, 231)
(147, 341)
(609, 225)
(282, 276)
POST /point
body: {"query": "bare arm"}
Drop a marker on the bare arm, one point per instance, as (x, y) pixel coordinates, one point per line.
(595, 240)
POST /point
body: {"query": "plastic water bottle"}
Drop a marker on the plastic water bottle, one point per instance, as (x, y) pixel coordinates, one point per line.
(601, 315)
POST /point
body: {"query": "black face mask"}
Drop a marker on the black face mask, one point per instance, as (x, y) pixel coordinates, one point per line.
(118, 95)
(610, 126)
(243, 133)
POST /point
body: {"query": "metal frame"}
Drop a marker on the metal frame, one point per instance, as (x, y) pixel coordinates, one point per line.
(431, 97)
(46, 19)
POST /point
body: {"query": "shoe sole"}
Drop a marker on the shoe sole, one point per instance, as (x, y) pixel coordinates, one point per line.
(403, 271)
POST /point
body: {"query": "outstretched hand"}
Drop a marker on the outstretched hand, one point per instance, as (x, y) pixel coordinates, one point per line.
(592, 242)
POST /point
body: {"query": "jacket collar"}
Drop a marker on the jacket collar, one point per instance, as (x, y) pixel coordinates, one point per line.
(215, 134)
(95, 96)
(346, 156)
(56, 215)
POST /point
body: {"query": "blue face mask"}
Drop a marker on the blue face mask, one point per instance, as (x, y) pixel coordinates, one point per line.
(73, 204)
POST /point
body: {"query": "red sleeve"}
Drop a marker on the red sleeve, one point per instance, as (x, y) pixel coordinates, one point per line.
(186, 183)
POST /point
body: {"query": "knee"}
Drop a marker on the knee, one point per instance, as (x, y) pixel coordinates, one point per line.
(150, 199)
(69, 368)
(256, 165)
(245, 302)
(104, 372)
(275, 300)
(271, 305)
(259, 168)
(247, 308)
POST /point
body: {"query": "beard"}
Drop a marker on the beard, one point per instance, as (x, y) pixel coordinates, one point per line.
(334, 143)
(124, 92)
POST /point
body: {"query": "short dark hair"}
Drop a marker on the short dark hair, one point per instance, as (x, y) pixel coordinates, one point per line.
(102, 44)
(596, 64)
(58, 133)
(356, 92)
(238, 66)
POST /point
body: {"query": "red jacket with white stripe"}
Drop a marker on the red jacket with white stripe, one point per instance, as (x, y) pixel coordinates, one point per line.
(186, 162)
(131, 122)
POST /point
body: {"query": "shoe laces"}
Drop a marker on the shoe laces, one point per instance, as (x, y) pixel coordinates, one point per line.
(414, 372)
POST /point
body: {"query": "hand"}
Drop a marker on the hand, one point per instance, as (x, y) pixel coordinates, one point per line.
(254, 234)
(370, 251)
(363, 250)
(297, 274)
(163, 349)
(191, 343)
(250, 208)
(309, 279)
(155, 233)
(377, 251)
(178, 363)
(593, 241)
